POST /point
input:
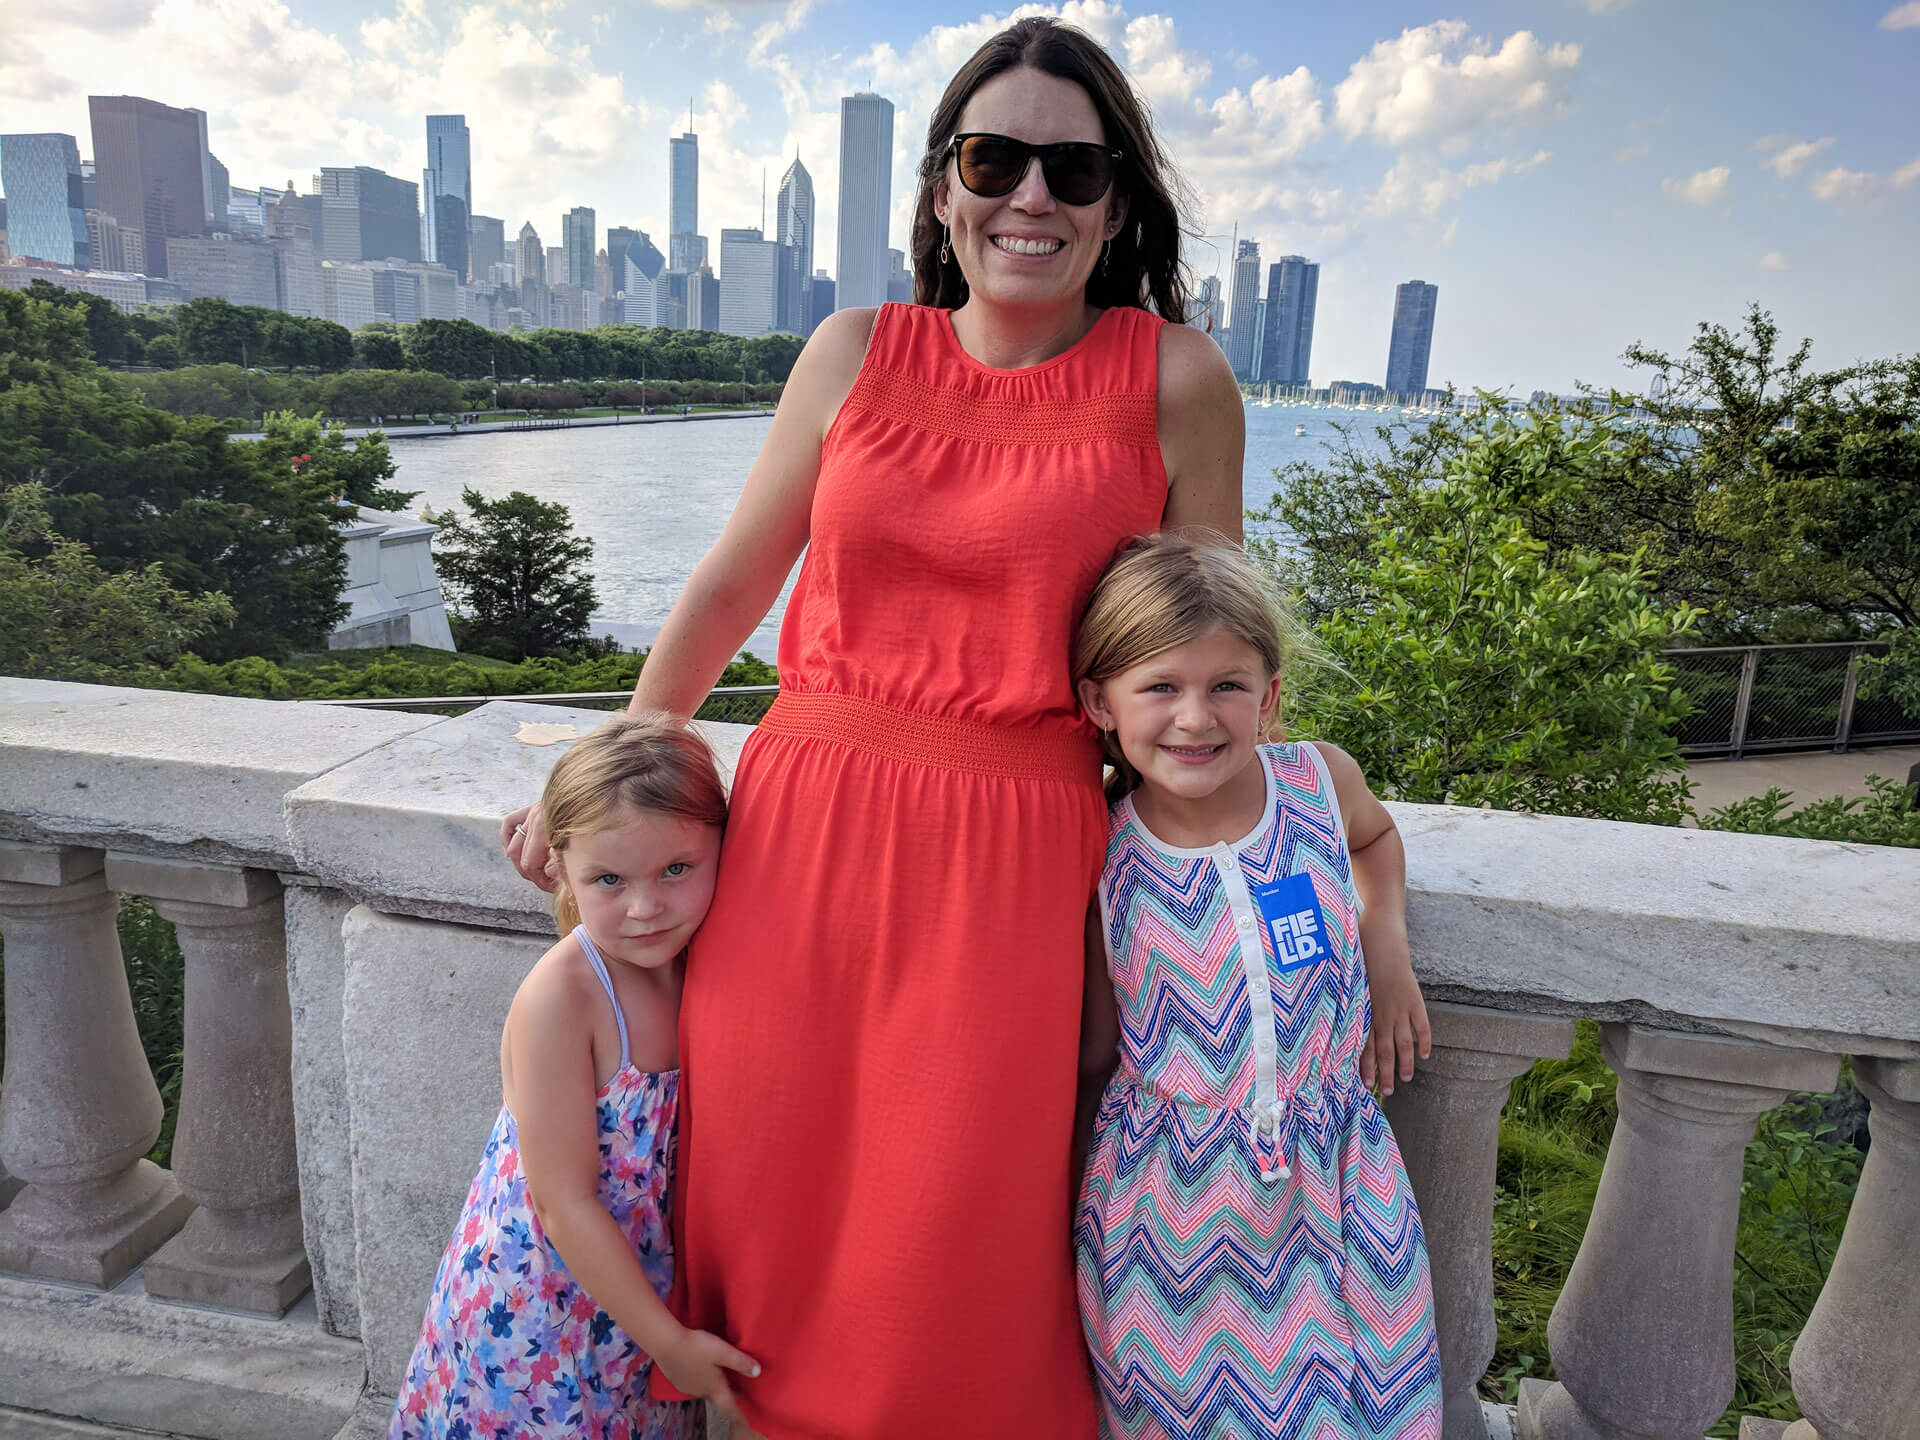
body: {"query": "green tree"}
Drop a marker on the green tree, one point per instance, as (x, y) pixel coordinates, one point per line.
(139, 486)
(1472, 663)
(164, 351)
(63, 618)
(458, 348)
(378, 349)
(109, 334)
(517, 575)
(214, 332)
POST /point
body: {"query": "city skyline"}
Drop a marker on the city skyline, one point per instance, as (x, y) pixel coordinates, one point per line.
(1500, 149)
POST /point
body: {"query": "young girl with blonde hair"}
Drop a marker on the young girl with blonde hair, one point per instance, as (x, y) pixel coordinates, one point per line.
(545, 1318)
(1250, 1259)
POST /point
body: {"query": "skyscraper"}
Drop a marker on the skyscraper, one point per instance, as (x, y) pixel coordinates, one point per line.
(749, 282)
(368, 214)
(638, 265)
(580, 238)
(1207, 308)
(1242, 329)
(1293, 288)
(152, 170)
(685, 250)
(46, 200)
(619, 237)
(822, 300)
(1412, 342)
(446, 194)
(486, 245)
(866, 192)
(793, 228)
(530, 263)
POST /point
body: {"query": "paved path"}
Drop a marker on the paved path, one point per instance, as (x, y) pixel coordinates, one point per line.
(1813, 775)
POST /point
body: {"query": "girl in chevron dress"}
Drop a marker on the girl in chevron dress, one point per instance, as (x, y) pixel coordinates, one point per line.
(1250, 1259)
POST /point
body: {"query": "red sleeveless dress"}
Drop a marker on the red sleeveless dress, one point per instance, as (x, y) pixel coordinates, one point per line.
(879, 1031)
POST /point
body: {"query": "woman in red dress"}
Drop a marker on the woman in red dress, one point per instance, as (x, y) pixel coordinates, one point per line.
(879, 1037)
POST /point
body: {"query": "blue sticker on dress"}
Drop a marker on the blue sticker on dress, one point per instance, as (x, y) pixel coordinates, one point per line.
(1290, 909)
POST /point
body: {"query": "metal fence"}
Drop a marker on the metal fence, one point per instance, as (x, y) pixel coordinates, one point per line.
(738, 704)
(1783, 697)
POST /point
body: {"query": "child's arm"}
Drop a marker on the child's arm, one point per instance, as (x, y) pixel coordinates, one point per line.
(553, 1103)
(1099, 1046)
(1380, 876)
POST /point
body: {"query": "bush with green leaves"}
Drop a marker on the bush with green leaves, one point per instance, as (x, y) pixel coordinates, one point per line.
(516, 576)
(1471, 663)
(1885, 815)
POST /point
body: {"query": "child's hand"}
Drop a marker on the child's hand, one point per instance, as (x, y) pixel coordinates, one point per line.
(1399, 1026)
(697, 1362)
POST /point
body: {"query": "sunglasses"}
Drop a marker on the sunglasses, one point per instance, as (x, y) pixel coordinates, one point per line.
(1078, 172)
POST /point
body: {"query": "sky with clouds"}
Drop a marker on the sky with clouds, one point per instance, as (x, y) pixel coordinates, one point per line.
(1574, 175)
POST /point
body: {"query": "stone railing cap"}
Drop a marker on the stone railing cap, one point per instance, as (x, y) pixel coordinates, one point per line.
(165, 772)
(414, 826)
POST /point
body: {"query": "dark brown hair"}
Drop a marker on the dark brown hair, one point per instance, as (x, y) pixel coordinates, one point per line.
(1144, 267)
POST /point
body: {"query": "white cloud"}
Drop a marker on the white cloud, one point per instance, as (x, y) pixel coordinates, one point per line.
(1857, 192)
(1902, 17)
(1412, 187)
(1438, 83)
(1773, 260)
(1907, 173)
(1703, 187)
(1632, 152)
(1788, 154)
(1608, 7)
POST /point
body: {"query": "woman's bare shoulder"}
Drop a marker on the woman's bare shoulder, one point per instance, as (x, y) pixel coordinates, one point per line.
(1194, 369)
(829, 363)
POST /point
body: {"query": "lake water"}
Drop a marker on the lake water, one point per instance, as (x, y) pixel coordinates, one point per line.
(653, 498)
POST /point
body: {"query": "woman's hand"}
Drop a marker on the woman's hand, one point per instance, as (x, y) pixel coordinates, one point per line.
(523, 835)
(1399, 1026)
(697, 1361)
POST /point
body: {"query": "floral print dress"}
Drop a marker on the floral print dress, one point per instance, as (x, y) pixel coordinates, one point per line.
(512, 1348)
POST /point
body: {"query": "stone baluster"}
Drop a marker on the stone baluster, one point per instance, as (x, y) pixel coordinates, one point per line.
(233, 1148)
(1642, 1335)
(1447, 1122)
(78, 1108)
(1856, 1366)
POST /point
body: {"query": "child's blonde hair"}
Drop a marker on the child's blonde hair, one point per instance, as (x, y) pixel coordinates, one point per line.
(1169, 589)
(642, 762)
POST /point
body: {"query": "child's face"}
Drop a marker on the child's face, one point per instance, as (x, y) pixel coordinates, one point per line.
(1188, 718)
(643, 884)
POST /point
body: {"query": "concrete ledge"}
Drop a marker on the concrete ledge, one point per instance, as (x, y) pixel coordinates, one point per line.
(190, 880)
(46, 864)
(157, 772)
(1796, 942)
(122, 1360)
(414, 827)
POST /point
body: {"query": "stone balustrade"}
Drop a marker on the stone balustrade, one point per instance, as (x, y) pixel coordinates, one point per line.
(352, 937)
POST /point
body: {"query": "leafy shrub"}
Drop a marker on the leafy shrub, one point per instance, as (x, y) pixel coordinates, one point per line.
(1884, 816)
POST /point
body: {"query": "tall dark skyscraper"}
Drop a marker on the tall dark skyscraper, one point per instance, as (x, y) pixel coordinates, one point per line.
(530, 266)
(152, 170)
(866, 195)
(794, 230)
(1412, 342)
(1293, 288)
(486, 246)
(46, 199)
(685, 249)
(446, 194)
(1242, 324)
(369, 215)
(579, 237)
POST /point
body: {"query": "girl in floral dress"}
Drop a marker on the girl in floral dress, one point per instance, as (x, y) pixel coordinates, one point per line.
(545, 1318)
(1251, 1262)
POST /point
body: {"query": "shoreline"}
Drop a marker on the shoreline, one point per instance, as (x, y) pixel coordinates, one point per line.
(559, 422)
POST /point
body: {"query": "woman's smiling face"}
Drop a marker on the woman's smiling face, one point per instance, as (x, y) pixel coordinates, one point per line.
(1027, 248)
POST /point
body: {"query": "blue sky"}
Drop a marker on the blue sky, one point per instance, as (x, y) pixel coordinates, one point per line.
(1573, 174)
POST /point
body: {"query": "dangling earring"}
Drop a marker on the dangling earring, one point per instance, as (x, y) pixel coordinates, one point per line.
(1106, 255)
(946, 236)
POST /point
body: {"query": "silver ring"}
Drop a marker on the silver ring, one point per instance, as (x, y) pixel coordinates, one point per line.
(520, 830)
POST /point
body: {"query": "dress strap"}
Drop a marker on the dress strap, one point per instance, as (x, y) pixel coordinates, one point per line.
(606, 980)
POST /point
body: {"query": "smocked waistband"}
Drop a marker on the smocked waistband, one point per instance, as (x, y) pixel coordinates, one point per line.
(944, 742)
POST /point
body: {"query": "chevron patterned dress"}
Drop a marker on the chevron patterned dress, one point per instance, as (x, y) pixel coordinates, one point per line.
(1250, 1260)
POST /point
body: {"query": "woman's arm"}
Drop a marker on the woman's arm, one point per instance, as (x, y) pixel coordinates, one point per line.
(552, 1097)
(1380, 876)
(1203, 433)
(735, 584)
(1099, 1046)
